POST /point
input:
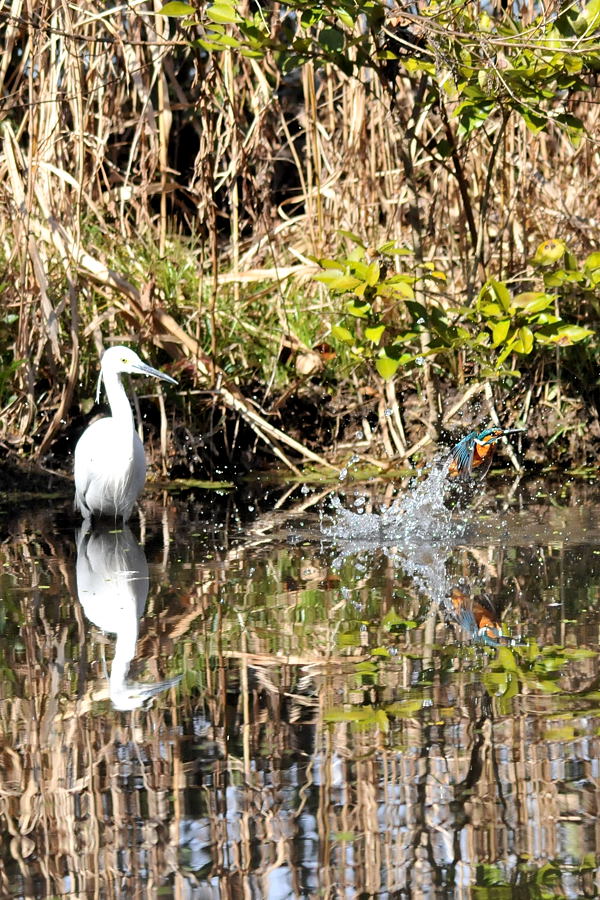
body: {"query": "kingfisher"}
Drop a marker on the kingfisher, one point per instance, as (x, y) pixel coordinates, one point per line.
(477, 616)
(475, 450)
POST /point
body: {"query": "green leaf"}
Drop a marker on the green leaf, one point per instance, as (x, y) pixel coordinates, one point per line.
(533, 301)
(495, 291)
(374, 334)
(523, 342)
(358, 310)
(177, 8)
(390, 288)
(373, 273)
(406, 337)
(591, 14)
(222, 12)
(331, 38)
(535, 123)
(351, 236)
(342, 334)
(592, 262)
(386, 366)
(500, 331)
(572, 334)
(549, 252)
(338, 282)
(390, 248)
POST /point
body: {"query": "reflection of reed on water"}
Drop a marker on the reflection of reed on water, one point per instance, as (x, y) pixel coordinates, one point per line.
(297, 759)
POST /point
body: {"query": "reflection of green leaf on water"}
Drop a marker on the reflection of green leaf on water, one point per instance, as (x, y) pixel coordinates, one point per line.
(393, 622)
(564, 733)
(363, 718)
(343, 836)
(532, 882)
(404, 709)
(538, 668)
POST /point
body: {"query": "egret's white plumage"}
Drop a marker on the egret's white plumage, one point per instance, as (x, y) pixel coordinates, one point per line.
(110, 464)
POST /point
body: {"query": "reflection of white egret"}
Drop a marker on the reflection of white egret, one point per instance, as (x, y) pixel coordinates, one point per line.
(112, 585)
(110, 465)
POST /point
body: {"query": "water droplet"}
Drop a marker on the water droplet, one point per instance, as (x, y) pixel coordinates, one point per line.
(343, 474)
(419, 360)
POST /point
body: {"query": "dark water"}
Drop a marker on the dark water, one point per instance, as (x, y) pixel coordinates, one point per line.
(227, 701)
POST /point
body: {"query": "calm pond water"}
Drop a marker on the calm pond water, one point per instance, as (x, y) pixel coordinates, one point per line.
(249, 698)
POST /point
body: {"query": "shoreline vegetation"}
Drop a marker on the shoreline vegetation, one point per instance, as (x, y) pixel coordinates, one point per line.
(345, 229)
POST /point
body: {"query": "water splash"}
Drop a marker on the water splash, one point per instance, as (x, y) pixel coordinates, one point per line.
(418, 515)
(417, 531)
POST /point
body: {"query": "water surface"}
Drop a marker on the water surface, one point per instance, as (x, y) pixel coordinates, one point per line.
(233, 698)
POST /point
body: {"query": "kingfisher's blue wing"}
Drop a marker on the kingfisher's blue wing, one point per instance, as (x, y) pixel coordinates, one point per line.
(462, 454)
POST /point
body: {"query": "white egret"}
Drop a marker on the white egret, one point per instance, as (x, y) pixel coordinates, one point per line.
(110, 464)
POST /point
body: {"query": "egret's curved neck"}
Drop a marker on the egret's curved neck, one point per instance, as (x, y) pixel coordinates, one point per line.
(117, 400)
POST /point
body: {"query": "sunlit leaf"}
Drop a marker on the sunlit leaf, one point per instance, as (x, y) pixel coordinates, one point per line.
(533, 301)
(386, 366)
(177, 8)
(549, 252)
(338, 282)
(523, 341)
(592, 262)
(342, 334)
(373, 273)
(351, 236)
(222, 12)
(495, 291)
(391, 288)
(571, 334)
(374, 334)
(358, 310)
(500, 331)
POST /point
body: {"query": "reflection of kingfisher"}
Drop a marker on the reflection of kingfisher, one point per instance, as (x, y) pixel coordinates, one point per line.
(478, 617)
(476, 450)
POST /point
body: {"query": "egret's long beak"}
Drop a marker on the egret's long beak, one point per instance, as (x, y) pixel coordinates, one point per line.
(143, 369)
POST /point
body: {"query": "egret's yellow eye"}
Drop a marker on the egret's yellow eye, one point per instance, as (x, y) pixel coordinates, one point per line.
(125, 360)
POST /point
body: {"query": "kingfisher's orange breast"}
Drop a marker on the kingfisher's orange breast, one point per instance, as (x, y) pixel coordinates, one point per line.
(481, 452)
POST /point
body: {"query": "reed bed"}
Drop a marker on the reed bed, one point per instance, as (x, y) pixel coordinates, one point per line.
(156, 194)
